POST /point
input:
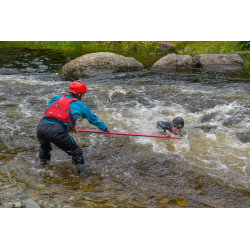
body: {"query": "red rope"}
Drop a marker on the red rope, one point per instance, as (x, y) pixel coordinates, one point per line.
(116, 133)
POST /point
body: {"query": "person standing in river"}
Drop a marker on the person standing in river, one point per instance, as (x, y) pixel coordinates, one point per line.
(60, 119)
(171, 127)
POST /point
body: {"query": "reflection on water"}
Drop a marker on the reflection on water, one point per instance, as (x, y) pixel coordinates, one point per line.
(209, 167)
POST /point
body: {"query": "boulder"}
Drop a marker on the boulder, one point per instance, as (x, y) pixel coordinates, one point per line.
(219, 62)
(100, 63)
(173, 62)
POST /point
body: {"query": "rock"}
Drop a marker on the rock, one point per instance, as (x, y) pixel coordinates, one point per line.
(207, 118)
(231, 121)
(206, 128)
(30, 204)
(173, 62)
(219, 62)
(12, 204)
(165, 48)
(17, 204)
(244, 52)
(100, 63)
(244, 137)
(8, 204)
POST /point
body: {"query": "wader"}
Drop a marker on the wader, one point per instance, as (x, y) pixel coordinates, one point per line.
(48, 132)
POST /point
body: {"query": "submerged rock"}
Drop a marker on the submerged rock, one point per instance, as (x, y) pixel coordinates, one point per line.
(233, 121)
(219, 62)
(244, 137)
(100, 63)
(206, 128)
(8, 204)
(30, 204)
(17, 204)
(12, 204)
(173, 62)
(207, 118)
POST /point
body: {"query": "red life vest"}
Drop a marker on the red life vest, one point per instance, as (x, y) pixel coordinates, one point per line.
(60, 110)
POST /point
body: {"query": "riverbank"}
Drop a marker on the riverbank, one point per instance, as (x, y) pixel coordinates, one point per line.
(148, 51)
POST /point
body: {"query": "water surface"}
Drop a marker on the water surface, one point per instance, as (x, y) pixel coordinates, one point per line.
(209, 167)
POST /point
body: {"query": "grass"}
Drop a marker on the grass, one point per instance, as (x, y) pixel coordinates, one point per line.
(95, 46)
(142, 47)
(206, 47)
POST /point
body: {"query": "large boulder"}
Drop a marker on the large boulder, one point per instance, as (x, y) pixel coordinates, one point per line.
(219, 62)
(173, 62)
(100, 63)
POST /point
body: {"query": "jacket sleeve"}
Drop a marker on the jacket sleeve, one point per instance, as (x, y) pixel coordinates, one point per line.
(92, 118)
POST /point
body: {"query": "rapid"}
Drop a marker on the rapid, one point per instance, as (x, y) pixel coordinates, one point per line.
(209, 167)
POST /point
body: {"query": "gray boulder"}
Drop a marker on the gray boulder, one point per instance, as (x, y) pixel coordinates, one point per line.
(30, 204)
(173, 62)
(219, 62)
(100, 63)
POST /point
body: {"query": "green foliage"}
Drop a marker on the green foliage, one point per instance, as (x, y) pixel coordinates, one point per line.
(246, 56)
(134, 47)
(139, 49)
(247, 65)
(207, 47)
(244, 45)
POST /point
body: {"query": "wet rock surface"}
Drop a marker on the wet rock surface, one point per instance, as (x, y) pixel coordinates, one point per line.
(173, 62)
(219, 62)
(30, 204)
(205, 62)
(244, 137)
(100, 63)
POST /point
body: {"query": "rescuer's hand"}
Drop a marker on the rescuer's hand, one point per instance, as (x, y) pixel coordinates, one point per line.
(106, 132)
(74, 131)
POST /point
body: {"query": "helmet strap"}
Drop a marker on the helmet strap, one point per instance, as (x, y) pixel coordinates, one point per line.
(79, 95)
(74, 95)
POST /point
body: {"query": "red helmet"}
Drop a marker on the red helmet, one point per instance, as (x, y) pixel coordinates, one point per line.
(76, 87)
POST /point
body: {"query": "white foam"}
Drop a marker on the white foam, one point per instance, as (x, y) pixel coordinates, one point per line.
(27, 80)
(211, 137)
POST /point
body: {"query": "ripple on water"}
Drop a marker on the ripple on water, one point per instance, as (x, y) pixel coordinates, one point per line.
(209, 167)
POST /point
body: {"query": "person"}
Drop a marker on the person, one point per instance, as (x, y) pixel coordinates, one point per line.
(60, 119)
(171, 127)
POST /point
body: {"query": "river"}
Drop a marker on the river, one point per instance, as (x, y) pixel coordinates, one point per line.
(209, 167)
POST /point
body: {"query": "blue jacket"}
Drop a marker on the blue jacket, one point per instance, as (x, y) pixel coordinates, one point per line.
(79, 109)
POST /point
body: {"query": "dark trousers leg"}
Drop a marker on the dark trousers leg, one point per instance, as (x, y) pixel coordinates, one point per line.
(48, 133)
(71, 148)
(44, 150)
(67, 143)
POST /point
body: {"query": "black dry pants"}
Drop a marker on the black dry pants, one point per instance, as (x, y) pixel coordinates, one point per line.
(48, 133)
